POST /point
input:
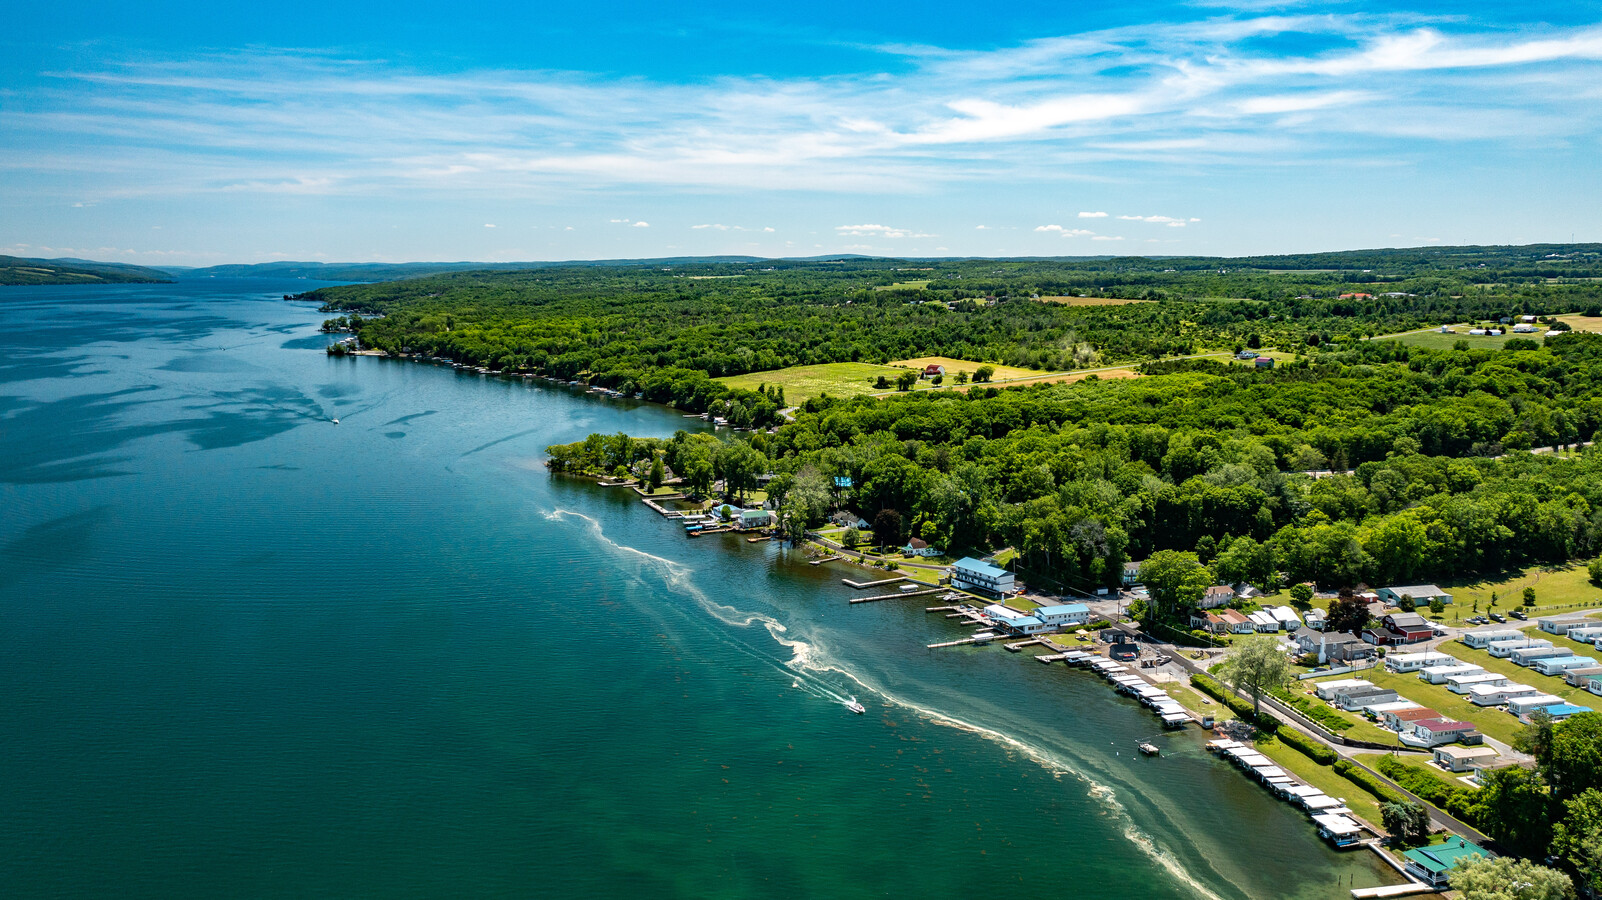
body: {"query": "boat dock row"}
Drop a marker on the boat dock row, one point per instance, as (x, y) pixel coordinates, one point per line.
(1173, 714)
(1334, 820)
(856, 600)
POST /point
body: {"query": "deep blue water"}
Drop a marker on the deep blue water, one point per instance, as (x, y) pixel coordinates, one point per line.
(248, 652)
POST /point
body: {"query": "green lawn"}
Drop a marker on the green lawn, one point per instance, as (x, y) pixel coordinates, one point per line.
(1325, 778)
(1552, 684)
(802, 383)
(1558, 589)
(1436, 341)
(1491, 721)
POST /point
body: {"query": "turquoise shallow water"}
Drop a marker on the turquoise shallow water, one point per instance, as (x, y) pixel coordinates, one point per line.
(247, 652)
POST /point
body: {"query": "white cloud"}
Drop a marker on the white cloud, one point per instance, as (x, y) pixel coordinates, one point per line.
(883, 231)
(641, 225)
(716, 227)
(1159, 220)
(1065, 232)
(1107, 237)
(1048, 227)
(981, 228)
(488, 225)
(1092, 215)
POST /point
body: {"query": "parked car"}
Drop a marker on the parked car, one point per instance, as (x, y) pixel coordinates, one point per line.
(1519, 614)
(1498, 617)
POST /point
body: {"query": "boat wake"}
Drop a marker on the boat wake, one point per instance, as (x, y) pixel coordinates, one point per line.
(813, 673)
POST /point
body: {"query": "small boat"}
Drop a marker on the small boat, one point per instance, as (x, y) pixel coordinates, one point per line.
(855, 707)
(336, 421)
(1148, 748)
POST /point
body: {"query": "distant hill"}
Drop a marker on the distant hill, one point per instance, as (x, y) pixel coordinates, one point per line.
(395, 271)
(18, 270)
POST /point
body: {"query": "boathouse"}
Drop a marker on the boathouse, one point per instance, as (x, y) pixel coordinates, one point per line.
(1433, 865)
(969, 574)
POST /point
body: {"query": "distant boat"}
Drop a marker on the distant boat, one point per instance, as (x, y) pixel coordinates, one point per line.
(336, 421)
(855, 707)
(1148, 748)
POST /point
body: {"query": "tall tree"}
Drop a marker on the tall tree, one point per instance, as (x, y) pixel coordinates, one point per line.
(1256, 665)
(1577, 839)
(1505, 878)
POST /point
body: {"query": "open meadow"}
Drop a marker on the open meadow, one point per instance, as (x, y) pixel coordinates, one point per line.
(1434, 340)
(1089, 301)
(802, 383)
(953, 366)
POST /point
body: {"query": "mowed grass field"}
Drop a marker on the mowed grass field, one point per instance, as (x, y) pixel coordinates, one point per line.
(1582, 323)
(1090, 301)
(1434, 340)
(953, 366)
(802, 383)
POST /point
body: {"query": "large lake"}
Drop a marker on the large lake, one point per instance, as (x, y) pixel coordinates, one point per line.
(246, 652)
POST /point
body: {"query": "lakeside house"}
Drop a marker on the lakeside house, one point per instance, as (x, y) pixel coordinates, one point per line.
(1464, 759)
(755, 518)
(919, 547)
(969, 574)
(1236, 623)
(1131, 574)
(1422, 594)
(1064, 615)
(1014, 621)
(1203, 620)
(1433, 864)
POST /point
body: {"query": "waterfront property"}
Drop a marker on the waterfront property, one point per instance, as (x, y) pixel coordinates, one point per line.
(1433, 865)
(1014, 621)
(1064, 615)
(969, 574)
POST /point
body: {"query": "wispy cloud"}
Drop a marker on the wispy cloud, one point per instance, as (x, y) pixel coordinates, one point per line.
(1092, 215)
(881, 231)
(1218, 91)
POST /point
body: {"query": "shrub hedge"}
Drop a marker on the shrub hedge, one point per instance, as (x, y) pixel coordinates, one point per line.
(1213, 687)
(1360, 777)
(1317, 751)
(1455, 799)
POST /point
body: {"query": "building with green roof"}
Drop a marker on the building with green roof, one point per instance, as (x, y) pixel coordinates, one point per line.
(1433, 865)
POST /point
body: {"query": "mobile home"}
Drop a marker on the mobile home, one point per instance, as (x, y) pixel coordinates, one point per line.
(1413, 662)
(1524, 705)
(1529, 656)
(1439, 674)
(1479, 639)
(1504, 649)
(1460, 684)
(1485, 695)
(1559, 664)
(1564, 624)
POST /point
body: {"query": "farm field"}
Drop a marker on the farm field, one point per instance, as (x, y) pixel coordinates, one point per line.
(801, 383)
(1582, 323)
(904, 286)
(1434, 340)
(1090, 301)
(953, 366)
(1558, 589)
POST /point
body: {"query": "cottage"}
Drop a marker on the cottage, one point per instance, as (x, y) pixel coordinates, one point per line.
(1422, 594)
(1559, 664)
(1264, 622)
(933, 369)
(1439, 674)
(1316, 618)
(919, 547)
(1435, 732)
(1463, 759)
(1333, 646)
(1433, 865)
(848, 520)
(976, 575)
(1131, 574)
(1413, 662)
(1529, 656)
(1479, 640)
(1064, 615)
(1204, 620)
(1460, 684)
(1288, 620)
(1235, 623)
(1216, 596)
(755, 518)
(1014, 621)
(1563, 624)
(1264, 362)
(1486, 695)
(1505, 649)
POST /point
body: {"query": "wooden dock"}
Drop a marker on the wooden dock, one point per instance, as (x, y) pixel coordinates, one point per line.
(983, 638)
(859, 585)
(1029, 643)
(759, 539)
(856, 600)
(701, 531)
(819, 562)
(667, 513)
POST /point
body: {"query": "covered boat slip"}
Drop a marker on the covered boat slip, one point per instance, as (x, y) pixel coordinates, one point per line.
(1329, 814)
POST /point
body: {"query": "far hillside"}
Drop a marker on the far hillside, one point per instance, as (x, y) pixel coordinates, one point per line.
(18, 270)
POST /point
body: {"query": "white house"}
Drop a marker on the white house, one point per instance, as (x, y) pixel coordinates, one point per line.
(1216, 596)
(1564, 624)
(1460, 684)
(1413, 662)
(1352, 699)
(1588, 634)
(1064, 615)
(1486, 695)
(1326, 690)
(1528, 656)
(1288, 619)
(1263, 622)
(1479, 640)
(1595, 684)
(969, 574)
(1505, 649)
(1316, 618)
(1435, 732)
(1439, 674)
(1524, 705)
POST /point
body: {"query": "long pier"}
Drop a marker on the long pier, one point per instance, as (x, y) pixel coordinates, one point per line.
(981, 638)
(856, 600)
(819, 562)
(666, 513)
(1015, 648)
(859, 585)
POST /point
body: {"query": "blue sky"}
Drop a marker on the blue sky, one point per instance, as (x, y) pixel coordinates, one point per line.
(194, 134)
